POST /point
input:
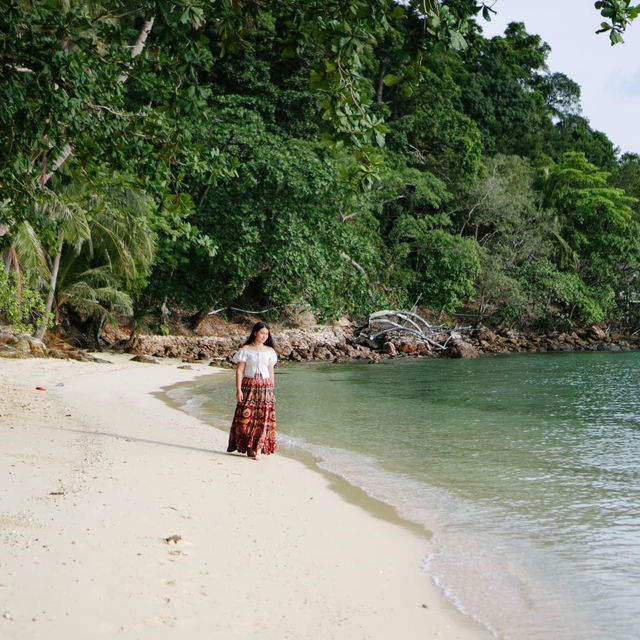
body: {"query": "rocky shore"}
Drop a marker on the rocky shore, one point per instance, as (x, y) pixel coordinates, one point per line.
(337, 343)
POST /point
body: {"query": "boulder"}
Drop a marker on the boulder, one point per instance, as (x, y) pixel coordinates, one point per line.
(7, 338)
(390, 349)
(458, 348)
(22, 345)
(322, 353)
(38, 348)
(609, 347)
(145, 359)
(14, 354)
(486, 334)
(596, 333)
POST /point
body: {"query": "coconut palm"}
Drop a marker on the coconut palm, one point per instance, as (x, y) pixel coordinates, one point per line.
(103, 249)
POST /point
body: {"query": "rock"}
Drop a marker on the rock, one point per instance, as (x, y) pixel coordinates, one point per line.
(22, 345)
(7, 338)
(390, 349)
(221, 362)
(408, 348)
(596, 333)
(58, 353)
(285, 351)
(458, 348)
(38, 348)
(609, 347)
(487, 335)
(145, 359)
(79, 356)
(14, 354)
(322, 353)
(367, 342)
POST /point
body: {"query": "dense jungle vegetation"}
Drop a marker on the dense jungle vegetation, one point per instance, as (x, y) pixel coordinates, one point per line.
(346, 154)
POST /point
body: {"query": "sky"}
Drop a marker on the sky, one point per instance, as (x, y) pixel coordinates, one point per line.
(608, 76)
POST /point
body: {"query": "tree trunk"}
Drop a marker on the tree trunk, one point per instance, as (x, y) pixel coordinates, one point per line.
(380, 89)
(8, 261)
(66, 153)
(139, 45)
(52, 292)
(62, 158)
(135, 52)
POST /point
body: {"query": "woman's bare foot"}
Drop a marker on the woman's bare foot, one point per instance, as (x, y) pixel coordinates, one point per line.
(258, 455)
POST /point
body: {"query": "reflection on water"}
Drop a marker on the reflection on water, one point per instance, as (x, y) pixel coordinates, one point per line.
(525, 468)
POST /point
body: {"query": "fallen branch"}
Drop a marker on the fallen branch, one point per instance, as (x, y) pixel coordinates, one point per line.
(382, 323)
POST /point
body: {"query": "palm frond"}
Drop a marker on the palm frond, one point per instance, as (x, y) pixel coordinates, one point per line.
(31, 254)
(92, 300)
(124, 242)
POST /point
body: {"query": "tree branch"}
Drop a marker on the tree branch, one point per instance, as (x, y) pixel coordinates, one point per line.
(101, 107)
(62, 158)
(361, 270)
(388, 321)
(138, 47)
(136, 51)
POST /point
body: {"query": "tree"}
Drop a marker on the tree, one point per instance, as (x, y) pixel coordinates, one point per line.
(518, 284)
(99, 94)
(626, 175)
(597, 236)
(573, 133)
(430, 129)
(501, 91)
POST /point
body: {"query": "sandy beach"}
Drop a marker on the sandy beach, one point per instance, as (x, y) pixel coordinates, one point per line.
(122, 517)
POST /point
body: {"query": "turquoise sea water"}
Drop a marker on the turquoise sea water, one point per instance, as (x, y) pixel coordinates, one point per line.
(525, 469)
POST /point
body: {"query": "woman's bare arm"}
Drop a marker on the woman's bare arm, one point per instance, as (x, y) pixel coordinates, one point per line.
(239, 376)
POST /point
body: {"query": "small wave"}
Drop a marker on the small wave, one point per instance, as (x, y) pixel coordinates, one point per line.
(505, 549)
(486, 566)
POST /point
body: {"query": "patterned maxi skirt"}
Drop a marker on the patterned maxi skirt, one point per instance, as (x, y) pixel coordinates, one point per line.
(254, 422)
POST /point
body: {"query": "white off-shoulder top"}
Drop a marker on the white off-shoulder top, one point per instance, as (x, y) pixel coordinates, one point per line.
(256, 362)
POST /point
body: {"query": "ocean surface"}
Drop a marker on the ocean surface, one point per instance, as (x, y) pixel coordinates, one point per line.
(525, 469)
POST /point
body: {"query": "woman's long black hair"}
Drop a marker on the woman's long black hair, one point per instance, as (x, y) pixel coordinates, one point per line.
(256, 327)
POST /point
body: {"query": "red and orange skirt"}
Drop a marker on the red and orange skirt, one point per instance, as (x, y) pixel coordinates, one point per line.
(254, 422)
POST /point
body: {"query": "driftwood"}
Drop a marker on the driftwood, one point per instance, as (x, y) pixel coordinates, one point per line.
(389, 321)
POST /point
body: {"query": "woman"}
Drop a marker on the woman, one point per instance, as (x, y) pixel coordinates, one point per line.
(253, 430)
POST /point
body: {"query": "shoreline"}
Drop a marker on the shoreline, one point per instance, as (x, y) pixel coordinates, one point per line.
(102, 471)
(350, 493)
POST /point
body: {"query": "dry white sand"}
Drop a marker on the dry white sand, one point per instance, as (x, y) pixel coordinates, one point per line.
(97, 473)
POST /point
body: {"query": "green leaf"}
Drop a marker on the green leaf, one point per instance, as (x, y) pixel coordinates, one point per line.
(615, 37)
(390, 80)
(457, 41)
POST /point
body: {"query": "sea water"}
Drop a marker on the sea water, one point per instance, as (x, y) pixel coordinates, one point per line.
(525, 469)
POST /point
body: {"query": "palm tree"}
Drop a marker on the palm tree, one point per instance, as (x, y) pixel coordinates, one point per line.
(104, 246)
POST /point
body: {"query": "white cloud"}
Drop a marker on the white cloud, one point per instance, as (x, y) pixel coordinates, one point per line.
(626, 86)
